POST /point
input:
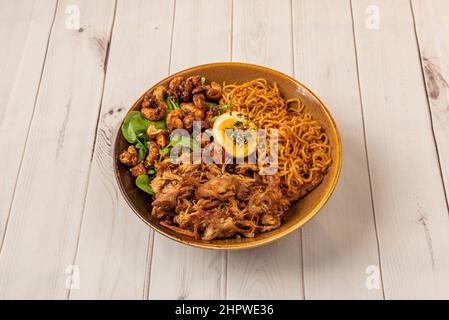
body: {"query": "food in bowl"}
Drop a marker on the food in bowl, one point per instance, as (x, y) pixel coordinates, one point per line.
(206, 155)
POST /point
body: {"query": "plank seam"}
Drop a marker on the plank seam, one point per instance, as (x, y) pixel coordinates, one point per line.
(149, 261)
(105, 63)
(366, 146)
(29, 126)
(171, 36)
(421, 62)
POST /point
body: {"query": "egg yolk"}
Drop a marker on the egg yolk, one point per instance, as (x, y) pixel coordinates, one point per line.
(236, 134)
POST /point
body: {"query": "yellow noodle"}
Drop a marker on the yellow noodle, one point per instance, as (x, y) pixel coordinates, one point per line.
(304, 151)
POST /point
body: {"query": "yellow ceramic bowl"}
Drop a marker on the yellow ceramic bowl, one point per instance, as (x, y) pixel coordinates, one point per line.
(298, 214)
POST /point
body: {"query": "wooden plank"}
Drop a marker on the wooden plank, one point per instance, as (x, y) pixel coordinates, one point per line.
(262, 35)
(114, 243)
(43, 228)
(340, 242)
(411, 213)
(24, 31)
(178, 271)
(432, 27)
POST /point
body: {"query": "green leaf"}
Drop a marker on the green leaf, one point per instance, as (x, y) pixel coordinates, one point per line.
(140, 125)
(163, 152)
(134, 125)
(171, 104)
(142, 153)
(160, 124)
(130, 115)
(143, 183)
(131, 134)
(142, 145)
(225, 107)
(151, 172)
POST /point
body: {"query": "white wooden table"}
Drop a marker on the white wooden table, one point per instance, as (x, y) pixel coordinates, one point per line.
(382, 67)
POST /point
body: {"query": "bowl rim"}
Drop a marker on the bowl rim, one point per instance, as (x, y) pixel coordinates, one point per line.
(257, 242)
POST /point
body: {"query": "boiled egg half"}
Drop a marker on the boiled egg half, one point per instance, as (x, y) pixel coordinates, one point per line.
(235, 133)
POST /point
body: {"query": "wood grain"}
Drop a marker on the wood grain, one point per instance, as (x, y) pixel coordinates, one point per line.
(411, 213)
(432, 28)
(24, 31)
(262, 35)
(113, 254)
(178, 271)
(63, 93)
(340, 242)
(43, 228)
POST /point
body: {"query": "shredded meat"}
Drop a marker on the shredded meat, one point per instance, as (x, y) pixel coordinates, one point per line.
(208, 202)
(267, 201)
(246, 167)
(220, 187)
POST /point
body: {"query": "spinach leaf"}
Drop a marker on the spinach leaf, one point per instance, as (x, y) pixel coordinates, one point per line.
(143, 183)
(142, 146)
(140, 124)
(134, 125)
(142, 153)
(130, 134)
(163, 152)
(160, 124)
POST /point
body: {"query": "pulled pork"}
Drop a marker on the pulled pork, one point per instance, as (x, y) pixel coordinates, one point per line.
(208, 202)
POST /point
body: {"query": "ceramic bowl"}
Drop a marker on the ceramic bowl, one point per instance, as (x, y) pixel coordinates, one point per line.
(299, 213)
